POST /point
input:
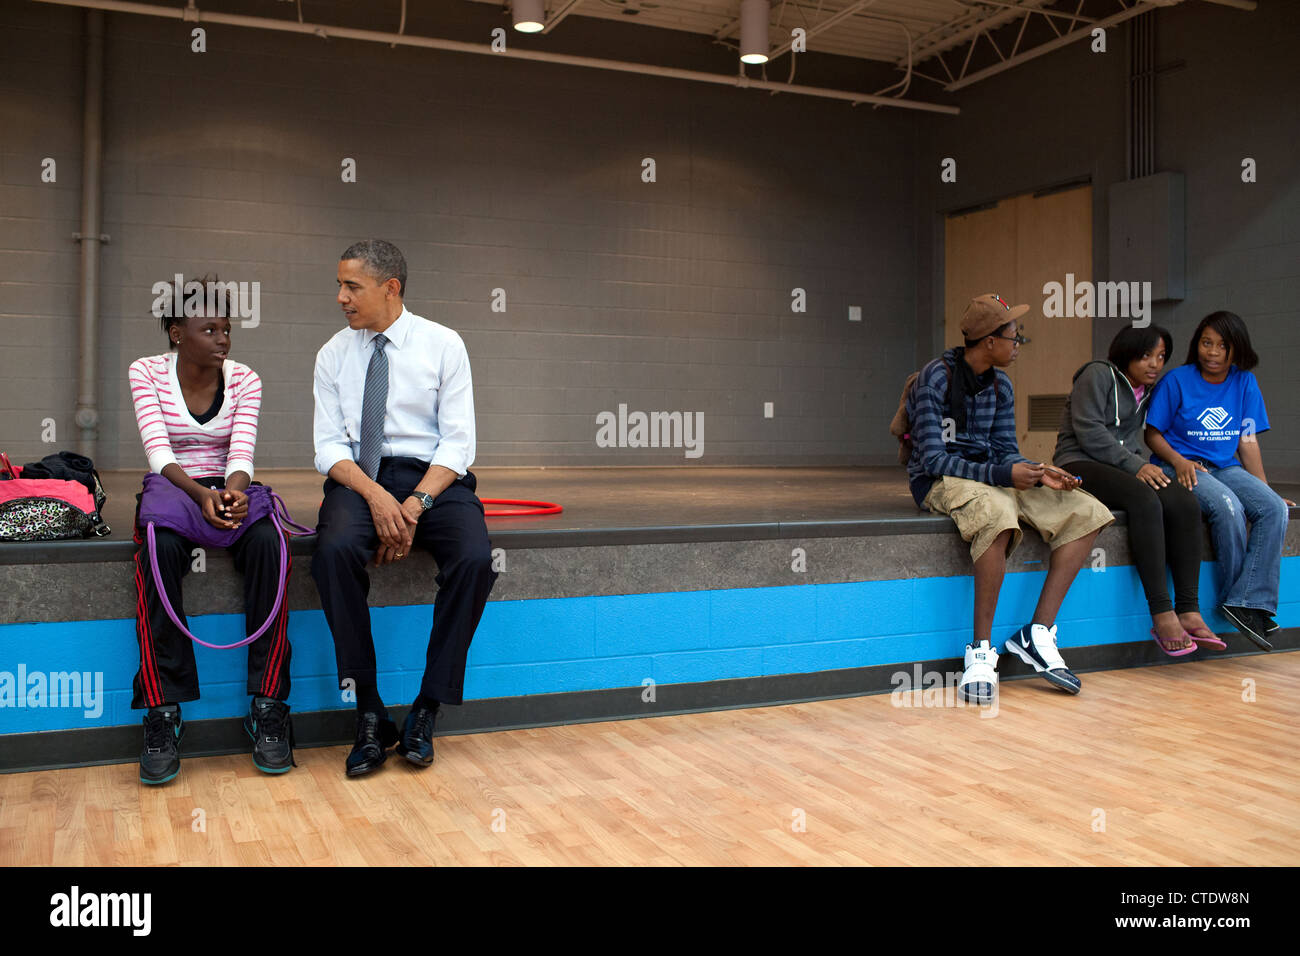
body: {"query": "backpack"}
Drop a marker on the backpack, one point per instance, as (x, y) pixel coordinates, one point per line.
(900, 426)
(58, 497)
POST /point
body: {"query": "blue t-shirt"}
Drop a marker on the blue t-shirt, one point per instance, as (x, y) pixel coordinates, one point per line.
(1205, 421)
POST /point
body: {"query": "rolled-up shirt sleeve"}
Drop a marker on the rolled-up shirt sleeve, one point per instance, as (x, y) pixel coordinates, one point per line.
(328, 433)
(455, 449)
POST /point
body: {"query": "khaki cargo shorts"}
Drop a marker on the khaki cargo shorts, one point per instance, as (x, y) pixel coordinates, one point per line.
(983, 512)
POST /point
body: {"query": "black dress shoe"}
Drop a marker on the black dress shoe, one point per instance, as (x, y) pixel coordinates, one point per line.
(375, 735)
(417, 736)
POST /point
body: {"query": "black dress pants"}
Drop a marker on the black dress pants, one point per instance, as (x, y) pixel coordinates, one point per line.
(168, 674)
(1164, 527)
(455, 533)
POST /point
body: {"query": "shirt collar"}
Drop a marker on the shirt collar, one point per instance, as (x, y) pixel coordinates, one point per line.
(397, 333)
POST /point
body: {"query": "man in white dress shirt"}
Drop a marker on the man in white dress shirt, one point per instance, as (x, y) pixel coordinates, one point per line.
(394, 434)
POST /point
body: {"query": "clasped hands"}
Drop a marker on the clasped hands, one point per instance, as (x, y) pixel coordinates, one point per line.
(394, 524)
(224, 508)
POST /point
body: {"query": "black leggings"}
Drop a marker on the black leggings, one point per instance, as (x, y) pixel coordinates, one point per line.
(1163, 526)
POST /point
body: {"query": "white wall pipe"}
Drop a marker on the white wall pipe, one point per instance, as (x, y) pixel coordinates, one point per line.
(87, 411)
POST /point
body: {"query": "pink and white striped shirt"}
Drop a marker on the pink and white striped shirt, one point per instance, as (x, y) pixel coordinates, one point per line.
(170, 434)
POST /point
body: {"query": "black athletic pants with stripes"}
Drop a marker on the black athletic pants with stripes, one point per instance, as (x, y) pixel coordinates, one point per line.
(168, 674)
(1164, 527)
(453, 531)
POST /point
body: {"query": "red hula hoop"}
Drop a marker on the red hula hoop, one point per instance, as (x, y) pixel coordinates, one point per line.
(525, 507)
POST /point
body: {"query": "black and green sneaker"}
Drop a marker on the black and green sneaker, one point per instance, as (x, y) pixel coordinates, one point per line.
(269, 725)
(160, 760)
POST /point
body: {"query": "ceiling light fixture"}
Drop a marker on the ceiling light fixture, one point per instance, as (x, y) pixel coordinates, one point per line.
(529, 15)
(754, 17)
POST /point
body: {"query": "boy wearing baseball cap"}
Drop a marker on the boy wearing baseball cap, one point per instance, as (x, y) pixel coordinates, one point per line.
(966, 464)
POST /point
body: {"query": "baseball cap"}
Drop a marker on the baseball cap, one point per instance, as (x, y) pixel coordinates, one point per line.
(987, 313)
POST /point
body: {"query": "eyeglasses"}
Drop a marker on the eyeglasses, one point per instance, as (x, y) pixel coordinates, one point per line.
(1014, 338)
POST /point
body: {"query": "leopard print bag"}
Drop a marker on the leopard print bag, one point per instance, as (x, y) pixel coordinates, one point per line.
(48, 509)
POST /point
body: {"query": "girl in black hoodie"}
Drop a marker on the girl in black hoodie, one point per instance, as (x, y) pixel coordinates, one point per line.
(1100, 440)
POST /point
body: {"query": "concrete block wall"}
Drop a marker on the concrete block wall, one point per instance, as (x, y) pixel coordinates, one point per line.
(40, 107)
(665, 296)
(526, 177)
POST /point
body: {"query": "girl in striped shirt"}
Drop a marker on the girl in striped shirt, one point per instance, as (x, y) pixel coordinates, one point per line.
(197, 413)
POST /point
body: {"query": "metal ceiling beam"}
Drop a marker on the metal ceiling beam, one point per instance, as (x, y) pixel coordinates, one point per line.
(1139, 7)
(731, 26)
(194, 15)
(974, 29)
(826, 24)
(726, 29)
(555, 18)
(956, 23)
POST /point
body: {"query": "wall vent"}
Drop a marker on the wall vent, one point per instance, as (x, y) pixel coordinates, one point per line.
(1045, 412)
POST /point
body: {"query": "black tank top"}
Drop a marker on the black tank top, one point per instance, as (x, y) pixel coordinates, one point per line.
(217, 399)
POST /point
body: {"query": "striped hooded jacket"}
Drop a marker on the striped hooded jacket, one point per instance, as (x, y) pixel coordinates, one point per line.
(984, 451)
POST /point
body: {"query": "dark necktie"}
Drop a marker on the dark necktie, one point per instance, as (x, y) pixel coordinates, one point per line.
(373, 405)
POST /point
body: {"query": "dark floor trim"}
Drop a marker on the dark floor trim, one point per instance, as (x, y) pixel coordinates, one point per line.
(58, 749)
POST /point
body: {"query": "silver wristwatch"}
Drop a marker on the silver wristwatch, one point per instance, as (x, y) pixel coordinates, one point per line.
(426, 501)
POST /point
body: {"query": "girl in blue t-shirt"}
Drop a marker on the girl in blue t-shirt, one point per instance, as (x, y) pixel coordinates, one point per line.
(1203, 425)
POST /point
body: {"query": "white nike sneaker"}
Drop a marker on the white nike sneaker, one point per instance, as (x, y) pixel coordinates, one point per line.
(979, 681)
(1036, 646)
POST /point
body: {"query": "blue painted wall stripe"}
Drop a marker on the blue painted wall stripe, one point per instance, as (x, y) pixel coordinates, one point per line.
(592, 643)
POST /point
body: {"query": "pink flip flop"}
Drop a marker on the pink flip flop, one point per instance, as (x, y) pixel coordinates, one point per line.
(1203, 635)
(1183, 653)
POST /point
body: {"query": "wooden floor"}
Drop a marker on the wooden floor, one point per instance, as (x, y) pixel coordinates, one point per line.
(1161, 765)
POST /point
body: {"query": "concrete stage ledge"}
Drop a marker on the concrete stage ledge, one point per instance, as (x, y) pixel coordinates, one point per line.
(610, 612)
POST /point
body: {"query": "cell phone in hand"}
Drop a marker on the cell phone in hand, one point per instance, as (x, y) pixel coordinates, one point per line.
(1064, 474)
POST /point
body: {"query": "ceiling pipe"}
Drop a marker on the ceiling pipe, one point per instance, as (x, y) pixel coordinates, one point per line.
(456, 46)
